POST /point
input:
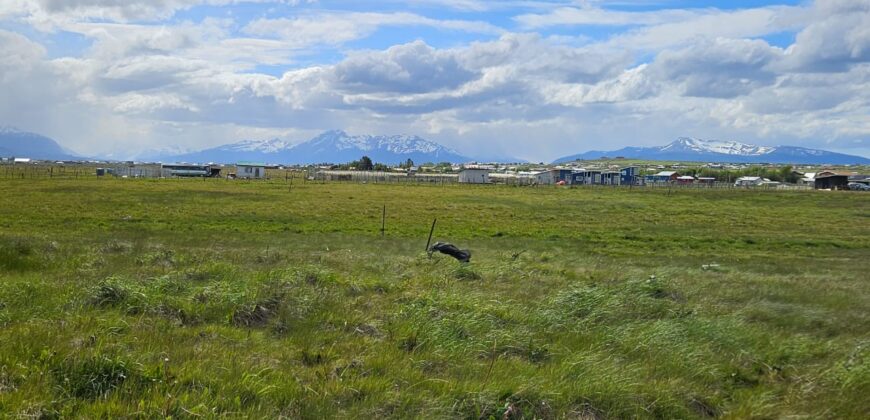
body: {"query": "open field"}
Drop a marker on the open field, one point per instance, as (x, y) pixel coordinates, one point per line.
(207, 298)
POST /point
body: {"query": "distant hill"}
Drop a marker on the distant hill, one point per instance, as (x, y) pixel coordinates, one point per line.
(17, 143)
(693, 149)
(330, 147)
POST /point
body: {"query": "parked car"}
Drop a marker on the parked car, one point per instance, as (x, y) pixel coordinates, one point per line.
(857, 186)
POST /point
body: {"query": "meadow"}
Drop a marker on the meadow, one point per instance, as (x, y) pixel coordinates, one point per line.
(217, 298)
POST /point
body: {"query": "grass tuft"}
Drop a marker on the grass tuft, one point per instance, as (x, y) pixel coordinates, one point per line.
(91, 378)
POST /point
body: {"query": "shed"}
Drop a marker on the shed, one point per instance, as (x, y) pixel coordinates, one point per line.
(663, 176)
(685, 179)
(561, 174)
(610, 178)
(474, 176)
(831, 181)
(628, 175)
(586, 177)
(749, 181)
(250, 170)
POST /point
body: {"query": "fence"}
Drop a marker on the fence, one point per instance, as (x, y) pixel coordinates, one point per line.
(384, 177)
(89, 170)
(33, 171)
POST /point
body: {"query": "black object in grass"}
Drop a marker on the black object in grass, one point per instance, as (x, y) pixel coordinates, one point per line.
(463, 255)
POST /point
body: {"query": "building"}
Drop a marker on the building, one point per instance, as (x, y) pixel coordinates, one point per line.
(189, 170)
(610, 178)
(474, 176)
(628, 175)
(586, 177)
(706, 180)
(250, 170)
(663, 176)
(829, 180)
(749, 181)
(561, 175)
(808, 178)
(685, 179)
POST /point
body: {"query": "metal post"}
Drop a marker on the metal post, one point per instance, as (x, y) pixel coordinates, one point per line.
(431, 231)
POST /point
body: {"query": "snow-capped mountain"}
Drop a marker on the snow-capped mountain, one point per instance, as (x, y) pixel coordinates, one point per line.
(264, 146)
(337, 146)
(334, 146)
(684, 144)
(699, 150)
(18, 143)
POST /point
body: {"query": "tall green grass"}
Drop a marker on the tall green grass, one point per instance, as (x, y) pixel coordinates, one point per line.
(184, 298)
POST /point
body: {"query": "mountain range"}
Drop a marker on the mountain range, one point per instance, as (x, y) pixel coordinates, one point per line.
(334, 146)
(698, 150)
(17, 143)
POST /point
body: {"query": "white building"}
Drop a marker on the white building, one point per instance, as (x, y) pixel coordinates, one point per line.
(474, 176)
(250, 170)
(749, 181)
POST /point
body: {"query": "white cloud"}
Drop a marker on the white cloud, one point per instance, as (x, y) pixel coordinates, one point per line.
(48, 14)
(337, 28)
(702, 72)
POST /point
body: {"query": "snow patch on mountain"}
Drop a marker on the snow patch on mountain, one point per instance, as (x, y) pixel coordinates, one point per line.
(717, 146)
(399, 144)
(265, 146)
(8, 129)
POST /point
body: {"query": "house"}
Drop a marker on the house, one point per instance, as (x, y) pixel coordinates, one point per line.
(828, 180)
(21, 160)
(561, 175)
(628, 175)
(471, 175)
(749, 181)
(685, 179)
(610, 178)
(586, 177)
(663, 176)
(706, 180)
(250, 170)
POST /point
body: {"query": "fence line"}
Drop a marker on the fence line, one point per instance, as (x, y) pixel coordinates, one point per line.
(37, 171)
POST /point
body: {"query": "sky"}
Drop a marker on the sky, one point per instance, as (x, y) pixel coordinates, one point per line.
(532, 79)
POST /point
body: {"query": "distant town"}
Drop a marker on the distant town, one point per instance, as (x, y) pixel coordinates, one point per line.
(617, 171)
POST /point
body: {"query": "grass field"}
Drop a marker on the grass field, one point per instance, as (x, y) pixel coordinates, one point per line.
(203, 298)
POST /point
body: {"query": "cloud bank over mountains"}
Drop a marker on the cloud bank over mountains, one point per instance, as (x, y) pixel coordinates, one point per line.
(532, 79)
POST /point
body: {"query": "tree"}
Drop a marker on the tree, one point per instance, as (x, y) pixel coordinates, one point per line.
(787, 174)
(365, 164)
(408, 164)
